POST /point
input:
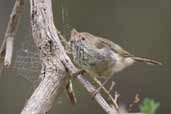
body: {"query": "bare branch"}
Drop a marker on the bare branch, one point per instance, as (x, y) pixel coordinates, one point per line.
(100, 100)
(1, 66)
(47, 41)
(55, 61)
(52, 53)
(9, 51)
(11, 31)
(42, 99)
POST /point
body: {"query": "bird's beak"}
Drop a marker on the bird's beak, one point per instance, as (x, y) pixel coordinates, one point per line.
(74, 34)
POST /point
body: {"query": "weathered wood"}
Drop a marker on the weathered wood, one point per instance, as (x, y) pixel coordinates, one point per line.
(56, 64)
(47, 41)
(53, 56)
(7, 44)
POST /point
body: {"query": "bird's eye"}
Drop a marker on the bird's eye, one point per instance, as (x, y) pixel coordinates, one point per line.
(83, 38)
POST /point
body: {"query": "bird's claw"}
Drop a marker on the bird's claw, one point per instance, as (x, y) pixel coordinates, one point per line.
(93, 94)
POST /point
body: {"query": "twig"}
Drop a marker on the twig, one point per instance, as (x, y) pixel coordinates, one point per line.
(71, 92)
(1, 66)
(9, 51)
(100, 100)
(11, 32)
(112, 86)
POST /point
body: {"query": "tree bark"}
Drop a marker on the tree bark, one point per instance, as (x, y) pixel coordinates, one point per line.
(47, 41)
(54, 61)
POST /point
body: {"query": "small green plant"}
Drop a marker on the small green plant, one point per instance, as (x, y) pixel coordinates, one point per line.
(149, 106)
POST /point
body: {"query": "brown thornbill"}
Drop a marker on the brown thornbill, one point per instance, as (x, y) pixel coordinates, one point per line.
(101, 57)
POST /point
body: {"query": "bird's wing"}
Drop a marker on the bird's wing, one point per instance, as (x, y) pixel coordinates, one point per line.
(116, 48)
(102, 42)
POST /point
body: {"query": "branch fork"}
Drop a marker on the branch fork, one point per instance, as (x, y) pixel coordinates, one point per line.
(53, 56)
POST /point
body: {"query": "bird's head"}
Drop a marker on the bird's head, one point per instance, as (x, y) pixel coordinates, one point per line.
(82, 37)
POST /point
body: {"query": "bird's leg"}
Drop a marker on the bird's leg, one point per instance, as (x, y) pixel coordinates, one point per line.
(80, 71)
(105, 90)
(101, 86)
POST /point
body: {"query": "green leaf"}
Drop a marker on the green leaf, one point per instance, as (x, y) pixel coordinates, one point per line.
(149, 106)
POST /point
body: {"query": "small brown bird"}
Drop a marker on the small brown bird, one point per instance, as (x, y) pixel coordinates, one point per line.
(101, 57)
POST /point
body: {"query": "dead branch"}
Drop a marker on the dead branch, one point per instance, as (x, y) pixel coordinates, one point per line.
(11, 32)
(53, 57)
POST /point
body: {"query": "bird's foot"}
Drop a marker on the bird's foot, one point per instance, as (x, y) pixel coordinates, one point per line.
(93, 94)
(80, 71)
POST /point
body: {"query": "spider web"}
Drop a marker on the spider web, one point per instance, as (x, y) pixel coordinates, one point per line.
(26, 61)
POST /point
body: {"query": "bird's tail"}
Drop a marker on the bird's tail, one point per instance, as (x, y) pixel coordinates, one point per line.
(147, 61)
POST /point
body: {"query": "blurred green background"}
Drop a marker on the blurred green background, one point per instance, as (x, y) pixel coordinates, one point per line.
(140, 26)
